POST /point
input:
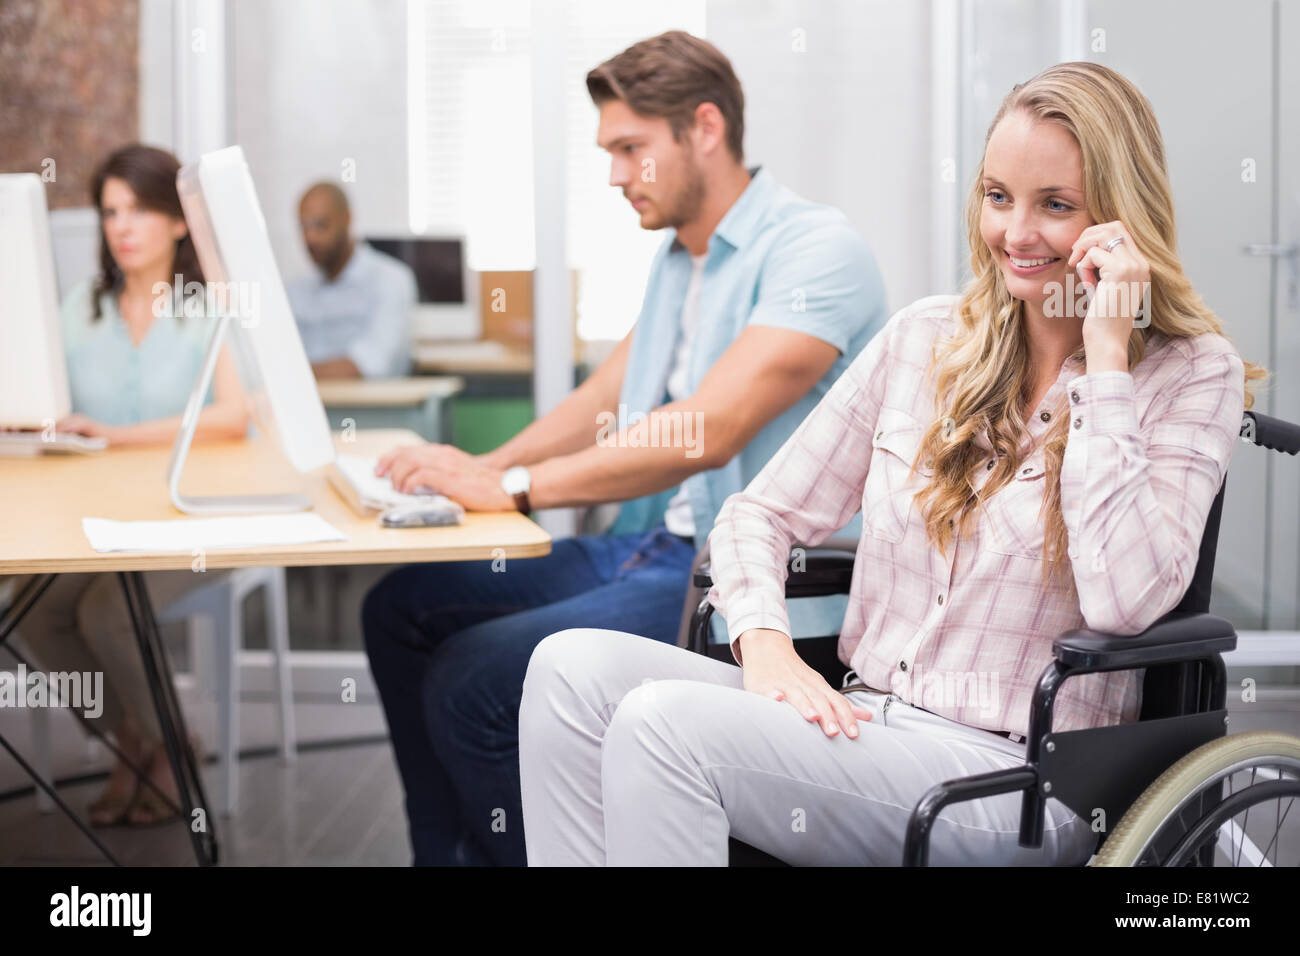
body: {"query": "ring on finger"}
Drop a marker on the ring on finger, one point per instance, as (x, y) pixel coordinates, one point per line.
(1111, 244)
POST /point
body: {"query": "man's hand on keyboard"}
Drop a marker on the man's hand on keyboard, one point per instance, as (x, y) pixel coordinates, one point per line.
(449, 471)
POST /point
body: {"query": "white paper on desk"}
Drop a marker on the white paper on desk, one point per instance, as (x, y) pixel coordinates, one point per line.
(188, 534)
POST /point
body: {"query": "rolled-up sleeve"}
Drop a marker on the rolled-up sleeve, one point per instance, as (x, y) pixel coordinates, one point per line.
(1135, 497)
(808, 490)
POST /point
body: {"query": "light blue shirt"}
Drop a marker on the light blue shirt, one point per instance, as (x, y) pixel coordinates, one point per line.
(364, 314)
(117, 382)
(776, 260)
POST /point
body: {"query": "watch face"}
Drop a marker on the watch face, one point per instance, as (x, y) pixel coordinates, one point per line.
(515, 480)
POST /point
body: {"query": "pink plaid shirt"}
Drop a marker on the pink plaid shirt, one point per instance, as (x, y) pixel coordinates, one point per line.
(967, 636)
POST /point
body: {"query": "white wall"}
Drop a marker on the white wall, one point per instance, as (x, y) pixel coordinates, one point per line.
(74, 237)
(1210, 125)
(157, 63)
(1284, 396)
(847, 121)
(319, 83)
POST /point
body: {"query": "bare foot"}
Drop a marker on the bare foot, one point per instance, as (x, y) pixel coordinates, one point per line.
(150, 808)
(111, 805)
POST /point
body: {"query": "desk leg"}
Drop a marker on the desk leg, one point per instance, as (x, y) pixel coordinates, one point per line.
(53, 794)
(170, 719)
(29, 595)
(9, 620)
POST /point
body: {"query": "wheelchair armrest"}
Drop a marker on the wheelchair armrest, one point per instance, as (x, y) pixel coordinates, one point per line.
(1178, 636)
(820, 571)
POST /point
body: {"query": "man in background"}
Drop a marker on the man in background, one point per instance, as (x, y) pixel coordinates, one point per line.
(354, 312)
(756, 302)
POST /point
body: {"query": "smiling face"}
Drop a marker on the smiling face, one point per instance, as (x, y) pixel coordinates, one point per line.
(666, 192)
(139, 239)
(1033, 208)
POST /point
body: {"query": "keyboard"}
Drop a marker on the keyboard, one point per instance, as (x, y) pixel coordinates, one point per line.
(28, 443)
(353, 477)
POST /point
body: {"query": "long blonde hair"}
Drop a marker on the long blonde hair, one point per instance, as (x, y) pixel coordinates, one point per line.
(981, 374)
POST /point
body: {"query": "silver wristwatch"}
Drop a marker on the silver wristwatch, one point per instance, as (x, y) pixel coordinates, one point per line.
(516, 482)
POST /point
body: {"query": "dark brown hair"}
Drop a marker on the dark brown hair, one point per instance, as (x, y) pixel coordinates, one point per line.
(151, 174)
(669, 76)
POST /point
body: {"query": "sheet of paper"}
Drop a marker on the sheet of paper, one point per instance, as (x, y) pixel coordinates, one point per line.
(188, 534)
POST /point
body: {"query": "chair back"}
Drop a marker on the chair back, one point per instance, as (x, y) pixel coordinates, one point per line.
(1172, 689)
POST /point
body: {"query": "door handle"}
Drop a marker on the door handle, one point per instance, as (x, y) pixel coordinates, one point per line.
(1275, 250)
(1287, 251)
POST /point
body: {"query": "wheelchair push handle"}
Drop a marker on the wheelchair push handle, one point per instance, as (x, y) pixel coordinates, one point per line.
(1269, 432)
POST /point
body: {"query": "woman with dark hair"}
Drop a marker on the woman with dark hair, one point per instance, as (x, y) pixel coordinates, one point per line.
(132, 360)
(132, 356)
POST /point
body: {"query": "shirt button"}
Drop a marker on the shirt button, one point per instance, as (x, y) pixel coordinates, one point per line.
(880, 434)
(1045, 416)
(1074, 396)
(1078, 423)
(941, 600)
(1027, 470)
(902, 665)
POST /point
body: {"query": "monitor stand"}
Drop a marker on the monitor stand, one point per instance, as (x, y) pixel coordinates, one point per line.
(217, 504)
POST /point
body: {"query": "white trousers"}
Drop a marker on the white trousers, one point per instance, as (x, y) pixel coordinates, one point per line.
(634, 752)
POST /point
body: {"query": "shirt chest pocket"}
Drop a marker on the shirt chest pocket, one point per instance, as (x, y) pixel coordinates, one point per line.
(1011, 520)
(887, 495)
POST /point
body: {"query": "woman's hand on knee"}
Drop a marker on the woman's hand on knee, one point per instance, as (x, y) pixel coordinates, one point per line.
(774, 669)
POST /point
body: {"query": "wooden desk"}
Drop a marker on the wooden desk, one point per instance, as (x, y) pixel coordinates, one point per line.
(411, 403)
(45, 498)
(387, 392)
(471, 358)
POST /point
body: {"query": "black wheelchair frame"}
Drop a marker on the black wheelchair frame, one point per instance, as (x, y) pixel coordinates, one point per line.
(1184, 690)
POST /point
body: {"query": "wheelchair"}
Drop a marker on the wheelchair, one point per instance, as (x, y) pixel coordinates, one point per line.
(1196, 812)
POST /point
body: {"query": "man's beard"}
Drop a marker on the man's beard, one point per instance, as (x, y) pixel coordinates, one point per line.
(688, 202)
(332, 258)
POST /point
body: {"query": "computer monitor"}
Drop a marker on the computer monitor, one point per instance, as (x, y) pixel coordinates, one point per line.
(448, 303)
(33, 374)
(234, 249)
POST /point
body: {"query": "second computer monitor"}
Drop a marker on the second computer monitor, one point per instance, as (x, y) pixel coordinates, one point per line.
(448, 293)
(234, 249)
(33, 377)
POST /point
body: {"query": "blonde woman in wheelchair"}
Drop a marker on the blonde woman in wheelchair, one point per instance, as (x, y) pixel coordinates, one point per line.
(1028, 458)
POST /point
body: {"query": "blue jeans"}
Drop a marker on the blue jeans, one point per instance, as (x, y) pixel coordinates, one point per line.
(449, 645)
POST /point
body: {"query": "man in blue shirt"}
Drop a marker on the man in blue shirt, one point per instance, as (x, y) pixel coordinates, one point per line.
(755, 304)
(354, 313)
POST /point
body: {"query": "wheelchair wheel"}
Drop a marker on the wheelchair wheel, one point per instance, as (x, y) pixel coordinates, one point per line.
(1185, 819)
